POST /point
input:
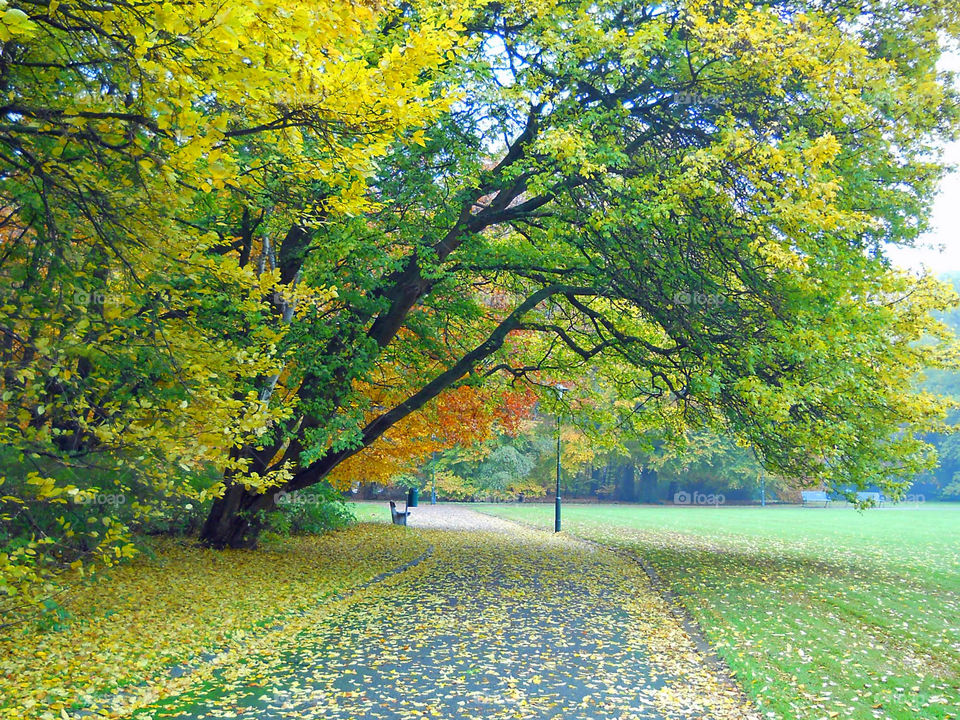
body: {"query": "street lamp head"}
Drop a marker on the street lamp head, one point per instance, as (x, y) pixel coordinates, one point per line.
(561, 389)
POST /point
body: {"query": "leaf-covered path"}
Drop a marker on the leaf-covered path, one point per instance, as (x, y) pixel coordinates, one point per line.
(499, 622)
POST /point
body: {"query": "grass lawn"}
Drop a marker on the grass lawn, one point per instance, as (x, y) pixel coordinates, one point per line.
(821, 613)
(373, 511)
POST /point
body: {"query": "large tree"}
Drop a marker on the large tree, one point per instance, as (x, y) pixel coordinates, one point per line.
(137, 338)
(690, 198)
(694, 197)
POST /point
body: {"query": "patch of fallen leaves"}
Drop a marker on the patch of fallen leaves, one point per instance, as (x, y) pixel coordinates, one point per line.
(828, 615)
(492, 625)
(141, 625)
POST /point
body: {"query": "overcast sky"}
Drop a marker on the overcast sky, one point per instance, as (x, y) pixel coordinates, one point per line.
(940, 251)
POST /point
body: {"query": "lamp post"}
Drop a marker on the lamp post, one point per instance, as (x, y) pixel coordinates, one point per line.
(432, 464)
(556, 521)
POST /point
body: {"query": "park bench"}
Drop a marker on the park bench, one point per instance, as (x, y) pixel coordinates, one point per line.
(398, 517)
(810, 497)
(877, 498)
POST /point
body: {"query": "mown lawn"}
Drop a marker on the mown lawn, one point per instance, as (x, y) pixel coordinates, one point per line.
(820, 613)
(375, 512)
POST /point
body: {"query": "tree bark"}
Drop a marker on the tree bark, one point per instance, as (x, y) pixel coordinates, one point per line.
(648, 485)
(626, 492)
(236, 518)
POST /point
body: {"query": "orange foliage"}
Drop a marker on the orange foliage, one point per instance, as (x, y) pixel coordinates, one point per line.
(462, 416)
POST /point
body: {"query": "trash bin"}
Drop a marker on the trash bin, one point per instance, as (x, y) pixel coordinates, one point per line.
(413, 497)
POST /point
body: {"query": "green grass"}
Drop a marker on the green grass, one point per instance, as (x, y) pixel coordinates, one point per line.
(816, 611)
(371, 511)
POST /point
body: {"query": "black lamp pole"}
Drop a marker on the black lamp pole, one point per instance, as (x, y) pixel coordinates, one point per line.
(433, 476)
(556, 521)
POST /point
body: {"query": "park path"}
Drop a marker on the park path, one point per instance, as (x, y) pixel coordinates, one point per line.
(498, 622)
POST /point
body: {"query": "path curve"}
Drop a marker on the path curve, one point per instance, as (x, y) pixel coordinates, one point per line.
(502, 622)
(457, 517)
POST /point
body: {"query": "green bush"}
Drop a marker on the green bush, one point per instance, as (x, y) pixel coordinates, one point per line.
(313, 511)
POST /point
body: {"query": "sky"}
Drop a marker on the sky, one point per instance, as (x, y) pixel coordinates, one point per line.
(939, 250)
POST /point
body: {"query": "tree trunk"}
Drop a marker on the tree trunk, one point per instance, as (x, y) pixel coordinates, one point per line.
(626, 491)
(236, 518)
(595, 480)
(672, 490)
(648, 485)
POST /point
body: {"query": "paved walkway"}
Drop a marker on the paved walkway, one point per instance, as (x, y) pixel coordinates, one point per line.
(498, 622)
(458, 517)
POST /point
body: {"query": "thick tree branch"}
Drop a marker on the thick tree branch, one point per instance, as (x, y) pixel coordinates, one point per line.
(379, 425)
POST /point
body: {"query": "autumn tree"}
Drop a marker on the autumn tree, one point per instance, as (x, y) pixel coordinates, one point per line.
(141, 334)
(694, 198)
(689, 201)
(467, 418)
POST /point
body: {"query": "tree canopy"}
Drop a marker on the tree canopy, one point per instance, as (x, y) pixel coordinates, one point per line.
(260, 238)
